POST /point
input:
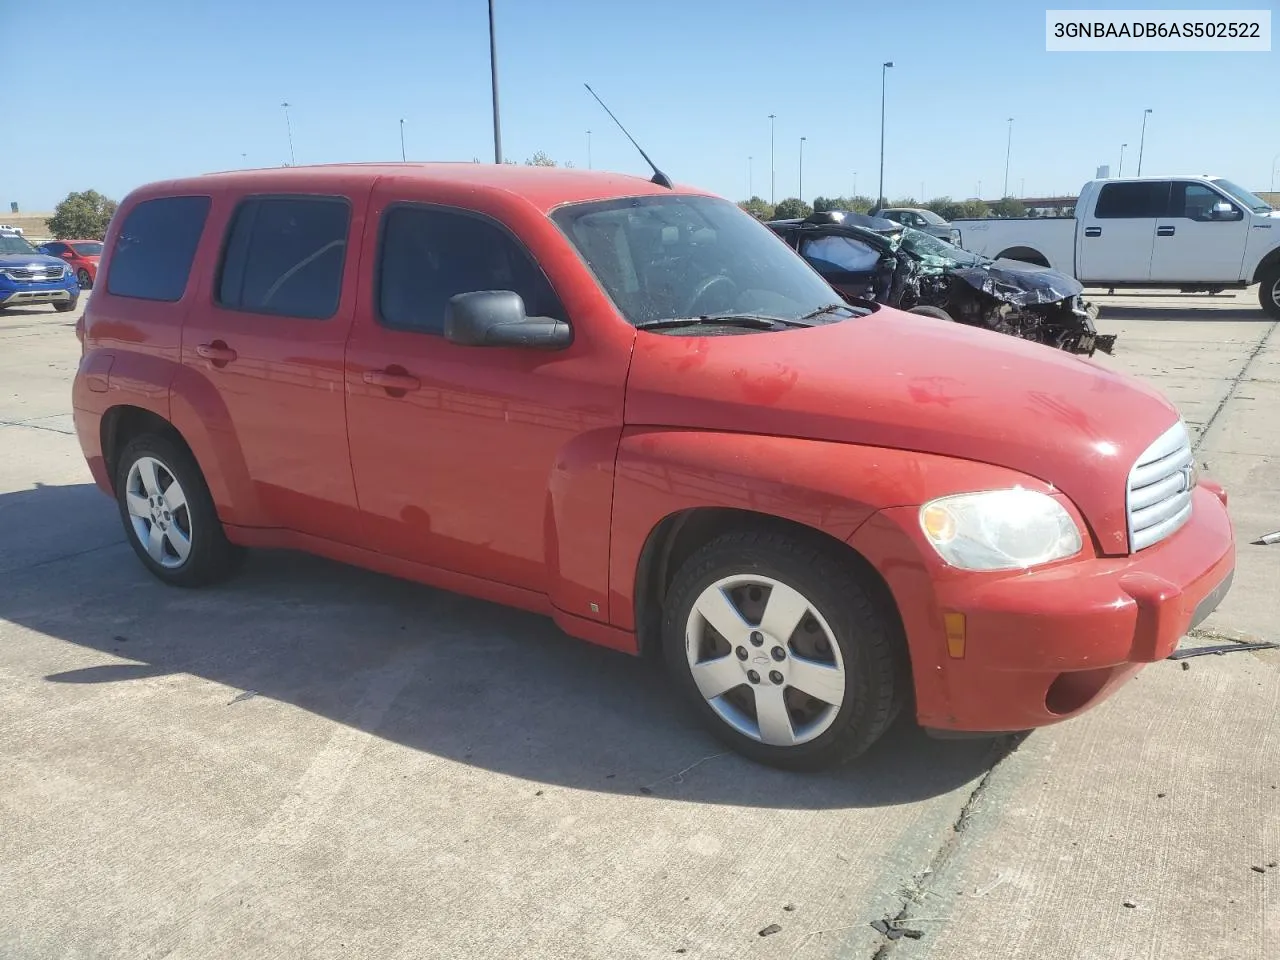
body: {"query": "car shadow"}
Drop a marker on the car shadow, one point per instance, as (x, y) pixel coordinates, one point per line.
(466, 680)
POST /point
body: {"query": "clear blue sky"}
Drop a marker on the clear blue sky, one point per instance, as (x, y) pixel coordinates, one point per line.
(111, 95)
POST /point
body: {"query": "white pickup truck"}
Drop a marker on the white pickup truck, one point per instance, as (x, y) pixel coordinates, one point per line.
(1193, 233)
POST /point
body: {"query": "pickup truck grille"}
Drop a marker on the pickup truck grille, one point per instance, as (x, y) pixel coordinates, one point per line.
(1160, 488)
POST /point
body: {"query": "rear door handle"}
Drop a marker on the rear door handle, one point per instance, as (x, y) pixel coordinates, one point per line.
(1093, 231)
(1164, 231)
(217, 353)
(395, 380)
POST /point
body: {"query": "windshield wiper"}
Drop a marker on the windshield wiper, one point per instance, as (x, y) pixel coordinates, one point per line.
(827, 309)
(754, 321)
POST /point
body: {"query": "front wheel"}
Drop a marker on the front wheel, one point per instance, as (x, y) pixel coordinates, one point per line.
(169, 515)
(783, 650)
(1269, 292)
(83, 278)
(935, 312)
(66, 306)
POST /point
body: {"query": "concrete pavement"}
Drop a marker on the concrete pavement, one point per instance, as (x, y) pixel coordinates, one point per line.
(316, 761)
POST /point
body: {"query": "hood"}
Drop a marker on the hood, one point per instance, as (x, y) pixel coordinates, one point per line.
(28, 260)
(1019, 284)
(903, 381)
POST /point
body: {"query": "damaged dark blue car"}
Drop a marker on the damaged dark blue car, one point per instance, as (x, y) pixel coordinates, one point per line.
(869, 258)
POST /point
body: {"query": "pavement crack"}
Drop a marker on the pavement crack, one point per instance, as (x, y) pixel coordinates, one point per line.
(59, 559)
(919, 887)
(1235, 384)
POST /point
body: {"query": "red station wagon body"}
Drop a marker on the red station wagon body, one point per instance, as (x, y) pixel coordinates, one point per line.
(563, 482)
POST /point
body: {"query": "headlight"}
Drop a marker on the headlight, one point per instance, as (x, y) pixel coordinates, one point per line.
(1000, 529)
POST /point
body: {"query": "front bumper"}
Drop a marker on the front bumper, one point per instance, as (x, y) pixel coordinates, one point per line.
(1044, 645)
(17, 293)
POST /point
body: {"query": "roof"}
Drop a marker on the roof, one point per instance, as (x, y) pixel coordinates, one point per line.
(544, 187)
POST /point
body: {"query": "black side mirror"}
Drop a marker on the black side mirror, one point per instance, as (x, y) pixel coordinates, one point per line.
(496, 318)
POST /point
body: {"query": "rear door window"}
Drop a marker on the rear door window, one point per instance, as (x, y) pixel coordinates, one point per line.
(153, 252)
(1133, 201)
(429, 255)
(285, 256)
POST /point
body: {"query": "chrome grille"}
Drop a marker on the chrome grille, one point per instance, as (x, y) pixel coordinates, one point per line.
(1160, 487)
(55, 272)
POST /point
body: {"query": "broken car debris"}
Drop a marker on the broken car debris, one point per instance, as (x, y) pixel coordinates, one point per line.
(1219, 649)
(869, 258)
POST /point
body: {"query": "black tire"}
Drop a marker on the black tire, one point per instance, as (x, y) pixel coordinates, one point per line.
(212, 557)
(82, 278)
(1023, 255)
(66, 306)
(1269, 291)
(870, 640)
(935, 312)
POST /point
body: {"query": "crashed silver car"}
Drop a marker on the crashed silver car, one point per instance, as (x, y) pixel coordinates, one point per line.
(869, 258)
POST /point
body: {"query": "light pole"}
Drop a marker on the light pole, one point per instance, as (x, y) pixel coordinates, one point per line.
(589, 150)
(772, 196)
(884, 69)
(802, 140)
(493, 79)
(979, 189)
(1120, 172)
(1273, 173)
(855, 183)
(1143, 141)
(402, 140)
(1008, 151)
(751, 177)
(289, 128)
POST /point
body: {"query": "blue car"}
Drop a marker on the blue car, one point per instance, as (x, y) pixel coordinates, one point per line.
(28, 276)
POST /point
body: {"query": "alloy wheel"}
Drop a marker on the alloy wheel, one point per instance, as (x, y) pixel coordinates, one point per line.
(765, 660)
(158, 512)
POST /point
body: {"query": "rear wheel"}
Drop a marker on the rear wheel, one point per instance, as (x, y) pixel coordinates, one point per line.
(936, 312)
(783, 650)
(169, 516)
(1269, 291)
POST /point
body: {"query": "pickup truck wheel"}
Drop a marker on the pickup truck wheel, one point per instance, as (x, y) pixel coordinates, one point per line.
(936, 312)
(782, 650)
(1269, 292)
(169, 516)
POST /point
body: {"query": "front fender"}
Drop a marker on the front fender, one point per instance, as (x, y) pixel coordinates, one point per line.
(830, 487)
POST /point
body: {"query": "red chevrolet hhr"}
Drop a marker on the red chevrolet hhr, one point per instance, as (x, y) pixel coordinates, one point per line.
(632, 408)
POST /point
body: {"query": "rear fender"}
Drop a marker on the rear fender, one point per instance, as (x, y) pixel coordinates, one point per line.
(201, 416)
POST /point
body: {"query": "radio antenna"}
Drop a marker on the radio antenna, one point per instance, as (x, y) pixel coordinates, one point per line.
(660, 178)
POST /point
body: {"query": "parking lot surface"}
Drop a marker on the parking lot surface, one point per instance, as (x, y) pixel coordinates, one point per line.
(317, 761)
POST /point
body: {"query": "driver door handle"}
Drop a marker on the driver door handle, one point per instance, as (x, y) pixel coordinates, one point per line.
(395, 380)
(217, 353)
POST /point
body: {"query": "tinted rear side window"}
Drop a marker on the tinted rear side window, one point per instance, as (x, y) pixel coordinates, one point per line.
(1132, 200)
(284, 255)
(157, 242)
(430, 255)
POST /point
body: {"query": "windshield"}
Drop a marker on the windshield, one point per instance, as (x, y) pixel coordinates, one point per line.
(1256, 204)
(932, 218)
(93, 249)
(684, 256)
(926, 247)
(12, 244)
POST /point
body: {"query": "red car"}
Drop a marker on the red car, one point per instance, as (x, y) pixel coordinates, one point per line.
(633, 409)
(81, 255)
